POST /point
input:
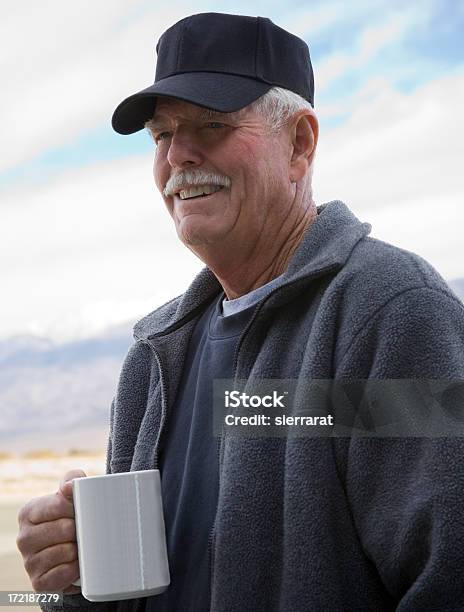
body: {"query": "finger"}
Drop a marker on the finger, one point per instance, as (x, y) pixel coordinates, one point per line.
(47, 508)
(52, 556)
(57, 578)
(34, 538)
(66, 482)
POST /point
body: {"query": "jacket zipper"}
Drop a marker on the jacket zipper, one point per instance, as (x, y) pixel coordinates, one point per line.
(163, 401)
(212, 534)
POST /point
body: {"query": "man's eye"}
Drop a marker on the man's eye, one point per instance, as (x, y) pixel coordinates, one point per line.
(214, 124)
(162, 136)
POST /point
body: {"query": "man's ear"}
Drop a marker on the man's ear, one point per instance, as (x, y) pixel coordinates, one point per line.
(304, 133)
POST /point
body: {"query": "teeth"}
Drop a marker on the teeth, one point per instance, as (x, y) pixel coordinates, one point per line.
(197, 191)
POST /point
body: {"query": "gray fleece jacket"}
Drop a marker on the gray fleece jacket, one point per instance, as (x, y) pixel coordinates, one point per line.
(308, 524)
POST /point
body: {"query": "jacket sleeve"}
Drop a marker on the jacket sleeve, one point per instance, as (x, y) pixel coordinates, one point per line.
(406, 492)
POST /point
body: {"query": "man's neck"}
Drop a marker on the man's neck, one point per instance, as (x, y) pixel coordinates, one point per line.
(265, 264)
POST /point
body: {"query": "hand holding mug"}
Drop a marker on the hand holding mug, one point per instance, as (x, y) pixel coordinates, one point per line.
(47, 539)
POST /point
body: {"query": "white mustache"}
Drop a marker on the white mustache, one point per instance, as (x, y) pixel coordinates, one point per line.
(190, 178)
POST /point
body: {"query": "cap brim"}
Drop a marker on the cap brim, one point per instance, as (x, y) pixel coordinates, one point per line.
(222, 92)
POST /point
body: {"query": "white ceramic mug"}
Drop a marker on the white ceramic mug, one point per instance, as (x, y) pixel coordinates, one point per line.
(121, 537)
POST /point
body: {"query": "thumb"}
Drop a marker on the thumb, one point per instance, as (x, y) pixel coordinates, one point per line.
(66, 482)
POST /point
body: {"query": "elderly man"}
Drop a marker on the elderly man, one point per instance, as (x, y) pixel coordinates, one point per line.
(290, 291)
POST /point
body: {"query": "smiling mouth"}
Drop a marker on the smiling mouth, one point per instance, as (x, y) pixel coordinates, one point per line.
(198, 192)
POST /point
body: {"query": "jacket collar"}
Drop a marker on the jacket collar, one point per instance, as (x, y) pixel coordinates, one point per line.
(328, 242)
(326, 245)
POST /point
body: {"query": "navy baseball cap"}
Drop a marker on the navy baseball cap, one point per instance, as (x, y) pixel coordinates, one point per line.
(222, 62)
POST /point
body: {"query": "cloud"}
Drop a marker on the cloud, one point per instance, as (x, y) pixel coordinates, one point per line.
(309, 21)
(70, 66)
(397, 160)
(373, 39)
(370, 41)
(96, 237)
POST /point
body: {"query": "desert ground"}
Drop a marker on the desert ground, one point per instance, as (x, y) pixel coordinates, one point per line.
(21, 478)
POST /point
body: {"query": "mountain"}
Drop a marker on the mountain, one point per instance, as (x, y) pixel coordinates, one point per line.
(22, 344)
(54, 391)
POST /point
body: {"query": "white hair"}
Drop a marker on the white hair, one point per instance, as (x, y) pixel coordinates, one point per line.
(278, 105)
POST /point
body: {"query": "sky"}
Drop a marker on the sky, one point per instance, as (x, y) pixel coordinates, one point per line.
(86, 241)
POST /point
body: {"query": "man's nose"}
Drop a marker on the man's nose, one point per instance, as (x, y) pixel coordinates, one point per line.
(184, 150)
